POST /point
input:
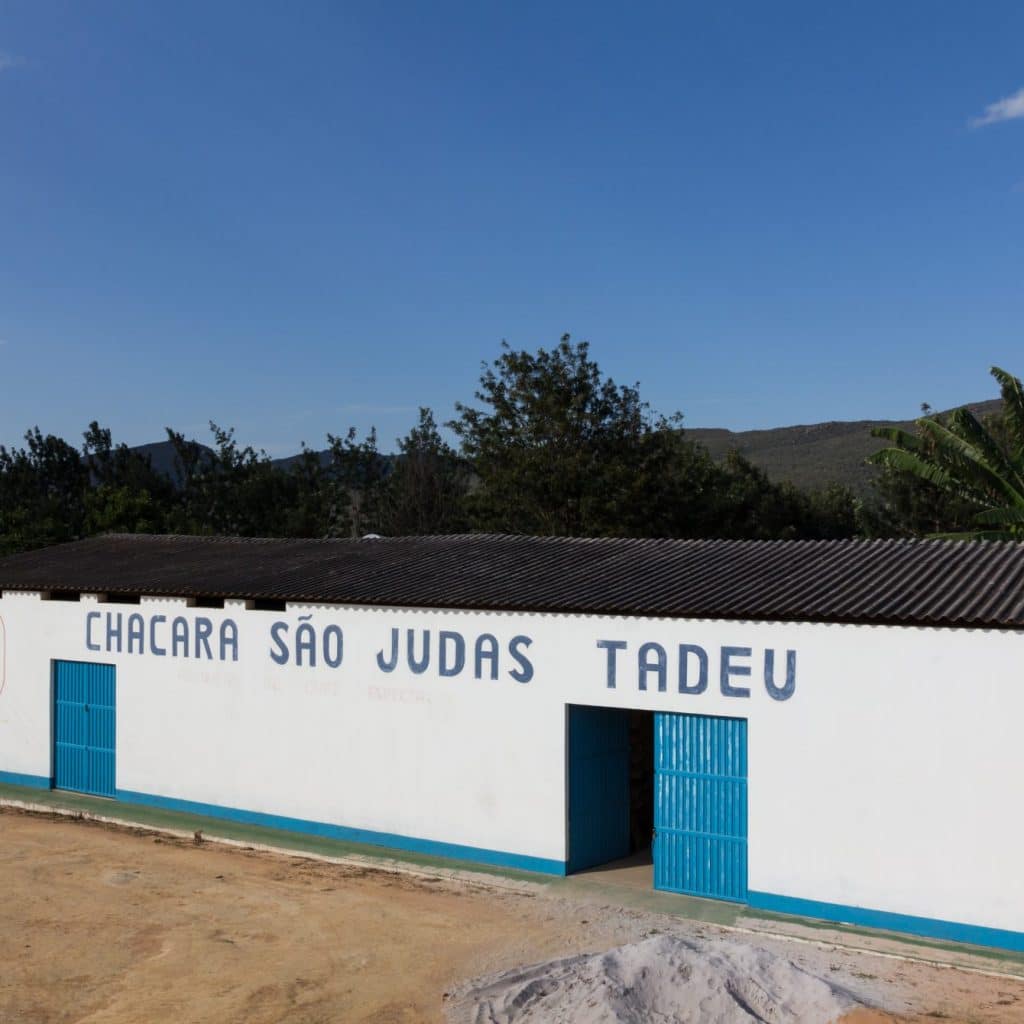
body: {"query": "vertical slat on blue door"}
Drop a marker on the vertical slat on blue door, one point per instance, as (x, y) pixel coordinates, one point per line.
(598, 786)
(700, 805)
(85, 737)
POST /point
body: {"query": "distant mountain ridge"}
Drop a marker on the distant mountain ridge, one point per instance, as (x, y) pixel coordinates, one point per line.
(808, 455)
(815, 454)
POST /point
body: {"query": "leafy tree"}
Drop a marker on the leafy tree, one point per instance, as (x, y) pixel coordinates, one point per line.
(560, 449)
(42, 489)
(125, 494)
(356, 482)
(428, 486)
(122, 510)
(834, 512)
(904, 505)
(972, 471)
(232, 489)
(309, 512)
(747, 505)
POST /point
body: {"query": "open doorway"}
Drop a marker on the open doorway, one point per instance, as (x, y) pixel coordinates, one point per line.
(611, 793)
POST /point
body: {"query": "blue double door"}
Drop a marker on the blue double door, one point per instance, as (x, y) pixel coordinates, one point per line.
(85, 727)
(599, 793)
(700, 805)
(699, 843)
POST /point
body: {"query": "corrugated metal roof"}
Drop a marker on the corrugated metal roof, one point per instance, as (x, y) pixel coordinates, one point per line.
(910, 582)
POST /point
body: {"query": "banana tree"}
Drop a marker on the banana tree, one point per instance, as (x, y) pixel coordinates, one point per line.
(981, 464)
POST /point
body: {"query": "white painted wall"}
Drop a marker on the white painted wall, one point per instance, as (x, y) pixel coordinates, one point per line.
(889, 780)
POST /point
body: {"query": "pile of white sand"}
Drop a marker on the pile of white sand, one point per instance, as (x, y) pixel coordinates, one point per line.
(661, 980)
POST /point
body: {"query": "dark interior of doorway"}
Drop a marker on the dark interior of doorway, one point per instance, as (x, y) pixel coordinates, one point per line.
(641, 781)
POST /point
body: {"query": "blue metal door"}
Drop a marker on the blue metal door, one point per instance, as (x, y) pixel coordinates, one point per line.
(84, 727)
(700, 805)
(598, 786)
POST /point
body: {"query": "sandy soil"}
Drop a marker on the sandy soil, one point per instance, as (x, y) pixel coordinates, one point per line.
(103, 925)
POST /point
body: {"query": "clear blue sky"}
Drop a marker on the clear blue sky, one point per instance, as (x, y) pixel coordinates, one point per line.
(296, 217)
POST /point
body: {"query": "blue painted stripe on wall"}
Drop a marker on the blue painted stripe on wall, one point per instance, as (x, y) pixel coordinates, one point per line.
(351, 835)
(32, 781)
(932, 928)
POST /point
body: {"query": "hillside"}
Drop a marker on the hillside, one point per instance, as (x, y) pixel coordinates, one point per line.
(815, 454)
(810, 455)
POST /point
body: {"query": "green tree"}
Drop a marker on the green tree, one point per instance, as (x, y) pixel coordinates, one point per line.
(308, 513)
(124, 495)
(42, 493)
(972, 472)
(355, 483)
(427, 489)
(744, 504)
(560, 449)
(230, 489)
(834, 512)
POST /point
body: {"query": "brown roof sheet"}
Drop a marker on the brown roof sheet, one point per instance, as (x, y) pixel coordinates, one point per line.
(907, 582)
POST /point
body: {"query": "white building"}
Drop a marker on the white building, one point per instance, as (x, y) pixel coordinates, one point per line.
(830, 729)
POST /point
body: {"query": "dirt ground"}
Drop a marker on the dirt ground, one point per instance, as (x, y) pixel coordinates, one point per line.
(103, 925)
